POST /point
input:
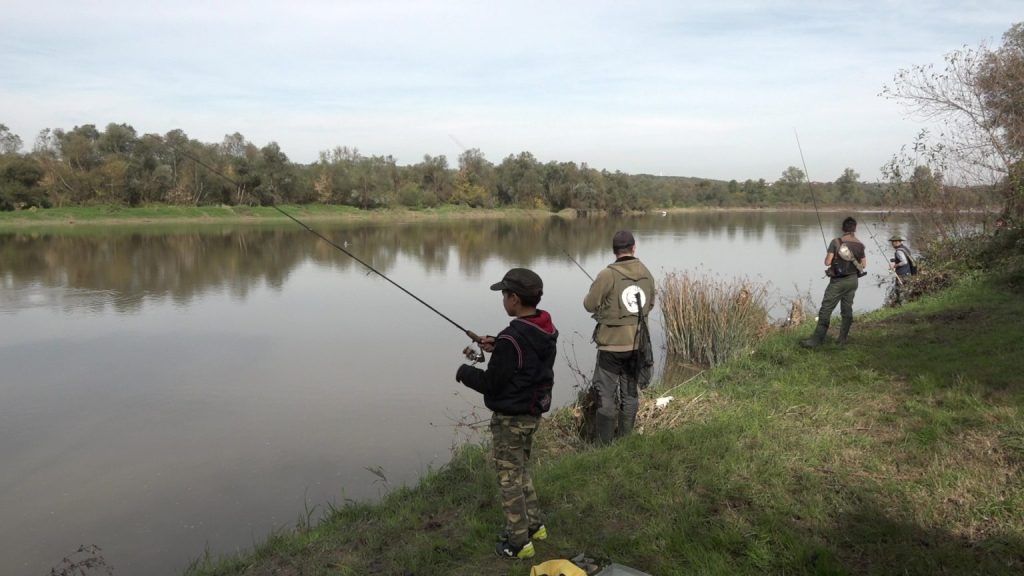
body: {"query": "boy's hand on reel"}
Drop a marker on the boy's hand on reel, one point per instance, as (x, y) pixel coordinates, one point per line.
(487, 343)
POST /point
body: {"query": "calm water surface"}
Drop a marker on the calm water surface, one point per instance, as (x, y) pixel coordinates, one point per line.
(171, 390)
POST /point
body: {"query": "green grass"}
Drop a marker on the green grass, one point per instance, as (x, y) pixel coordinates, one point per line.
(901, 453)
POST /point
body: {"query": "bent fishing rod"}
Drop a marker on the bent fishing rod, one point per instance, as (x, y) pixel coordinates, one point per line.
(472, 335)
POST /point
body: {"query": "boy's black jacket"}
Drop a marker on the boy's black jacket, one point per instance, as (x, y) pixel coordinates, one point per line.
(520, 374)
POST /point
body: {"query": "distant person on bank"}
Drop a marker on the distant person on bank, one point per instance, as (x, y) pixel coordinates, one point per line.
(900, 262)
(845, 262)
(620, 300)
(903, 264)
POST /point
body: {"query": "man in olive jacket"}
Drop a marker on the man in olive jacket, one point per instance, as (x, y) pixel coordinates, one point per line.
(620, 299)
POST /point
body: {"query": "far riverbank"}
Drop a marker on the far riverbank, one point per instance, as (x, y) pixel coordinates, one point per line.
(110, 215)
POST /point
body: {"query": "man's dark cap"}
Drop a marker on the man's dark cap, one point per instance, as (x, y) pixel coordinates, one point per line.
(521, 281)
(623, 239)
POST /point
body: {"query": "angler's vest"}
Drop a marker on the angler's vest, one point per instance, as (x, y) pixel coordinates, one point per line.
(840, 267)
(910, 267)
(630, 281)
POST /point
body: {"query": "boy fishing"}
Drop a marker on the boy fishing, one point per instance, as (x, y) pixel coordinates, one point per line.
(517, 388)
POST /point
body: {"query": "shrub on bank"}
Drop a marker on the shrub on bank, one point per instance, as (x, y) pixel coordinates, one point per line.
(998, 255)
(708, 321)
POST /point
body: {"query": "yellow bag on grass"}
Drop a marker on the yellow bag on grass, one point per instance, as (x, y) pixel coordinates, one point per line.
(557, 568)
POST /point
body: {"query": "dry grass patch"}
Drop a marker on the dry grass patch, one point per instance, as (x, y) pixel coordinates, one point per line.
(709, 321)
(678, 410)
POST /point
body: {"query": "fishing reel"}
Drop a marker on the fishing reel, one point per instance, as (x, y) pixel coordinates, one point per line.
(474, 355)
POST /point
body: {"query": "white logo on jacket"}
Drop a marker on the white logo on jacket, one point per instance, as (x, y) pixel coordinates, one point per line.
(629, 298)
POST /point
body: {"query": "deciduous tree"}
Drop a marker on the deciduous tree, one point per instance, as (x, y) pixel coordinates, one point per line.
(977, 101)
(10, 142)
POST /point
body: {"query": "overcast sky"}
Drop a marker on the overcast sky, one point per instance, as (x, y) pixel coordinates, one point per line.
(711, 89)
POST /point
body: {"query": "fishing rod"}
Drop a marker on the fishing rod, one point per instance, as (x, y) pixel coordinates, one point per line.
(578, 265)
(564, 249)
(569, 256)
(472, 335)
(815, 200)
(811, 188)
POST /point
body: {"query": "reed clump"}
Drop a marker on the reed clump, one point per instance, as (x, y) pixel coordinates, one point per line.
(709, 321)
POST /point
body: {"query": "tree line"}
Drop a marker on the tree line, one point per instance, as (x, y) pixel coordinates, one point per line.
(116, 165)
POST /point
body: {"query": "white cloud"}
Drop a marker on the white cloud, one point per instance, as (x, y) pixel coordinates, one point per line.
(704, 89)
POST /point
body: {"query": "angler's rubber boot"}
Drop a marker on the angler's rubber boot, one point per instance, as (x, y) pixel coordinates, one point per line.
(844, 331)
(605, 428)
(626, 422)
(816, 339)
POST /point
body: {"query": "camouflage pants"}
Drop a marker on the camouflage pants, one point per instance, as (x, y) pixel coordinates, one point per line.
(512, 437)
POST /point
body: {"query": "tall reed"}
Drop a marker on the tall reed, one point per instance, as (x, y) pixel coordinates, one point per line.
(709, 321)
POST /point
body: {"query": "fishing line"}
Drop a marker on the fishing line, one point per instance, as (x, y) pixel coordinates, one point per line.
(474, 337)
(560, 246)
(811, 188)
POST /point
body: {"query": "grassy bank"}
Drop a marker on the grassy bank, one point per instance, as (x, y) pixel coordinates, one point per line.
(901, 453)
(117, 215)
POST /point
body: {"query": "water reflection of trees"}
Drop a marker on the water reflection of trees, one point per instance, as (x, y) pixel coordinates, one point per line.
(133, 266)
(183, 263)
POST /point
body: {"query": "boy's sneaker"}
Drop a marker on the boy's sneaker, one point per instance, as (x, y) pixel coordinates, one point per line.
(537, 532)
(506, 549)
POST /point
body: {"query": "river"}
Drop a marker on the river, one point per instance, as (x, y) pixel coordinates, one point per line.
(169, 390)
